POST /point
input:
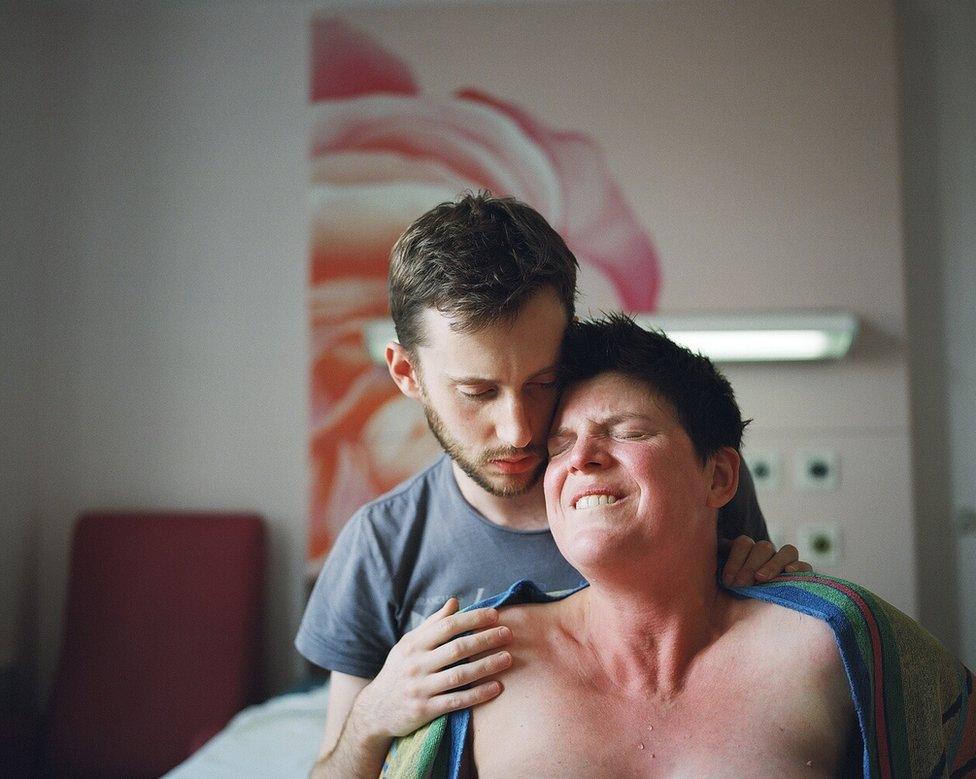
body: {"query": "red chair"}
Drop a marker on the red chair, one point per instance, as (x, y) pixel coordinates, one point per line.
(162, 635)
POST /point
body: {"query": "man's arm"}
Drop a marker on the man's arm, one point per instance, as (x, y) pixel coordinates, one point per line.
(422, 679)
(343, 689)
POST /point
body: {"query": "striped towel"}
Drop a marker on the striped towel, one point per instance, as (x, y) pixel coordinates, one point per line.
(915, 705)
(914, 701)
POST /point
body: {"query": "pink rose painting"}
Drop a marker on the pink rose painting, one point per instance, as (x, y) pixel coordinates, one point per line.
(382, 153)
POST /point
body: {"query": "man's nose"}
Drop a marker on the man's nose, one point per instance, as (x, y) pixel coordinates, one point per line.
(514, 427)
(588, 454)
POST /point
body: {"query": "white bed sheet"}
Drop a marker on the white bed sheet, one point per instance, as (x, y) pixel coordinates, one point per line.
(278, 738)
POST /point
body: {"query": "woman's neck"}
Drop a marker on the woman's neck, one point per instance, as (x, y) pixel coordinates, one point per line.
(644, 632)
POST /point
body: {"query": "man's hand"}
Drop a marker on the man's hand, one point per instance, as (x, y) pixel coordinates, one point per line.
(750, 562)
(424, 672)
(421, 680)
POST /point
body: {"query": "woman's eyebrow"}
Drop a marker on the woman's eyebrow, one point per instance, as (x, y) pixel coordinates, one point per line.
(605, 422)
(624, 416)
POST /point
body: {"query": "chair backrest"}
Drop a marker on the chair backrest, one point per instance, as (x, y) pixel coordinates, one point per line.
(162, 636)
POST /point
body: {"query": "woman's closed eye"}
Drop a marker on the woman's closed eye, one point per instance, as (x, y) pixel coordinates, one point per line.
(546, 379)
(631, 435)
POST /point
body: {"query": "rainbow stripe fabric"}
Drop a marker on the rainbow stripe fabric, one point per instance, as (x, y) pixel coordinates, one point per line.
(915, 704)
(914, 701)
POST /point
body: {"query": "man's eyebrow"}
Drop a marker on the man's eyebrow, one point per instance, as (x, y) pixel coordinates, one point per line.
(548, 369)
(490, 380)
(471, 379)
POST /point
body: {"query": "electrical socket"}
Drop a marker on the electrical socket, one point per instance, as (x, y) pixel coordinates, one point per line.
(817, 470)
(820, 543)
(765, 468)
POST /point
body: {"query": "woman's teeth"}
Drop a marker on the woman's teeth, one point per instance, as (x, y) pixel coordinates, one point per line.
(589, 501)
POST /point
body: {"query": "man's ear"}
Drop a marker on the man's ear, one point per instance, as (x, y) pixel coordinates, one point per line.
(723, 467)
(403, 370)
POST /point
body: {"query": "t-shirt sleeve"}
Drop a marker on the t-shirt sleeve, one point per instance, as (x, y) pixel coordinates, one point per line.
(742, 515)
(349, 624)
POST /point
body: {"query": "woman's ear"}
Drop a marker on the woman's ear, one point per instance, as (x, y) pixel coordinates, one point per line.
(724, 471)
(403, 370)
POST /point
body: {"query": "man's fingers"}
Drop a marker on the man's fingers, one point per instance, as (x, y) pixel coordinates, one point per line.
(763, 553)
(777, 563)
(442, 630)
(468, 673)
(463, 699)
(738, 552)
(799, 565)
(451, 605)
(467, 646)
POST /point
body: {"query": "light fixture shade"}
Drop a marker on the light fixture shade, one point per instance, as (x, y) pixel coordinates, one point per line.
(760, 337)
(753, 337)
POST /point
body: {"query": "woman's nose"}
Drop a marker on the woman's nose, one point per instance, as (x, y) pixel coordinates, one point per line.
(588, 453)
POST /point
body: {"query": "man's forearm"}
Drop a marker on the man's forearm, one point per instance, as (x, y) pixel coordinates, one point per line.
(358, 752)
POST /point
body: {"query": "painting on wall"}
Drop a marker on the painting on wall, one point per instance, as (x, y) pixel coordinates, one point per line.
(383, 151)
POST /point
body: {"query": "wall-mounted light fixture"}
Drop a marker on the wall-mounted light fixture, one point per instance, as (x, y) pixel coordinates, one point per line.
(724, 338)
(759, 337)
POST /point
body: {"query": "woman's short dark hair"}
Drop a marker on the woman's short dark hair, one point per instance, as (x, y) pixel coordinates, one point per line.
(700, 395)
(479, 259)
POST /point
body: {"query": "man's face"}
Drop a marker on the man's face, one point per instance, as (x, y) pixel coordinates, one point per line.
(623, 478)
(489, 395)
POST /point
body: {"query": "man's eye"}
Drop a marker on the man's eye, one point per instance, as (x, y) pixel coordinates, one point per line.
(476, 393)
(557, 446)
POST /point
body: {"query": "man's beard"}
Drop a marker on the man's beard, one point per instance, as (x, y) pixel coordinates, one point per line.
(471, 467)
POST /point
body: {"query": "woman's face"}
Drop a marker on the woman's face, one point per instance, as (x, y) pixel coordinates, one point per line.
(623, 478)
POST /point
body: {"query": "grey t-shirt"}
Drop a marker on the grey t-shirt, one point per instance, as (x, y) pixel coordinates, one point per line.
(401, 556)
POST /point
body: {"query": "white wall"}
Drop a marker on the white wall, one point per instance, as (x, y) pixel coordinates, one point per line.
(940, 201)
(172, 264)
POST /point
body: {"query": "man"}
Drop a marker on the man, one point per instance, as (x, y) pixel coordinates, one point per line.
(654, 668)
(481, 292)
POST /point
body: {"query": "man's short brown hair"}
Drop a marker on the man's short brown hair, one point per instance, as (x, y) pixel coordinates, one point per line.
(479, 259)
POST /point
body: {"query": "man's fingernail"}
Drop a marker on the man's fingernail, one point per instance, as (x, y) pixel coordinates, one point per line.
(762, 574)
